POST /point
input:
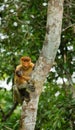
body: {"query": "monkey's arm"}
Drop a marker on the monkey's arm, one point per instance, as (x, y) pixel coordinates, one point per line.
(18, 71)
(26, 78)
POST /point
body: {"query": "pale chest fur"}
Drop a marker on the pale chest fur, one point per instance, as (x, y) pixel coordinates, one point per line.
(26, 72)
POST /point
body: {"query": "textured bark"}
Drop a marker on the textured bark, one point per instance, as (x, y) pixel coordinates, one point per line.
(44, 63)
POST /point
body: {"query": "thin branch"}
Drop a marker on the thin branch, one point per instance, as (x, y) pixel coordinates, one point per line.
(6, 116)
(68, 27)
(7, 128)
(2, 112)
(70, 2)
(68, 17)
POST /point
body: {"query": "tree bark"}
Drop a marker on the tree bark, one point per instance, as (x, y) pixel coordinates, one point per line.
(44, 63)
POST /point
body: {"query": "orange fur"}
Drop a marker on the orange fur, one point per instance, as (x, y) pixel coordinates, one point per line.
(23, 71)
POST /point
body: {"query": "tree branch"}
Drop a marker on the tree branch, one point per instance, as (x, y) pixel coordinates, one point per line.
(6, 116)
(68, 27)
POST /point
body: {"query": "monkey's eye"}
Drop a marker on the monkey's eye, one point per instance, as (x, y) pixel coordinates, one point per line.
(24, 60)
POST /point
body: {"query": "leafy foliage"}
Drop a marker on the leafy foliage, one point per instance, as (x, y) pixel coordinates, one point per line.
(6, 104)
(56, 109)
(19, 22)
(22, 32)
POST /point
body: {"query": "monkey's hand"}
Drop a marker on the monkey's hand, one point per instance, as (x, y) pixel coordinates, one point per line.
(30, 86)
(19, 73)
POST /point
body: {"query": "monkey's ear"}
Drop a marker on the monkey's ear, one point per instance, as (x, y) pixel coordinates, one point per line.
(21, 58)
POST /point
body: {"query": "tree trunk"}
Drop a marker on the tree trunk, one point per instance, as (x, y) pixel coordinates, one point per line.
(44, 63)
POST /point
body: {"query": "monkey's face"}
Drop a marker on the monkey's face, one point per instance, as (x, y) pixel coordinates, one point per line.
(26, 62)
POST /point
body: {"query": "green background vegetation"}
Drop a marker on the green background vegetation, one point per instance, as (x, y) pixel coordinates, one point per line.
(22, 32)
